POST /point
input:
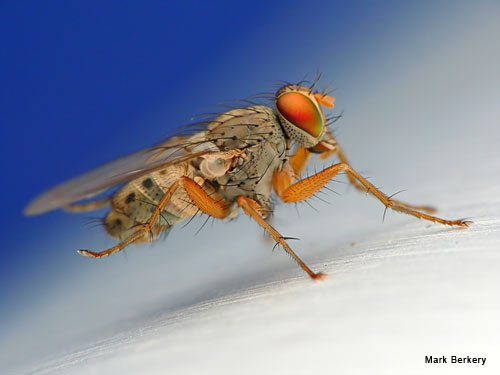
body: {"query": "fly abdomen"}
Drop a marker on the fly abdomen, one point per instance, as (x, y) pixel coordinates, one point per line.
(135, 202)
(132, 206)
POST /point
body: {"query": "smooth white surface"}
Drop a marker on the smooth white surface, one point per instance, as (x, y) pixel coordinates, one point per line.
(409, 293)
(391, 299)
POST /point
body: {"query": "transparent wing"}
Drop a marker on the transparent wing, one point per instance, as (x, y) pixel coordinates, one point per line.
(202, 138)
(116, 172)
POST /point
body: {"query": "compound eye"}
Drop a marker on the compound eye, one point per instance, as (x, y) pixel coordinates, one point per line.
(300, 111)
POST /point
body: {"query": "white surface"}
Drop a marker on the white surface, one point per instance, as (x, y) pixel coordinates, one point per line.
(391, 299)
(221, 303)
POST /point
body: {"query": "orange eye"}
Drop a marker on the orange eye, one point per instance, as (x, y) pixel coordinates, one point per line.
(300, 111)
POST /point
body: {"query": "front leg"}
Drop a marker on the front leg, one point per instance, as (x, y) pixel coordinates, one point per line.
(361, 187)
(291, 170)
(329, 146)
(303, 189)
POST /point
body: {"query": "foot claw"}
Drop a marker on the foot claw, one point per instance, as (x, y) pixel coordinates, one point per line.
(466, 223)
(86, 253)
(319, 276)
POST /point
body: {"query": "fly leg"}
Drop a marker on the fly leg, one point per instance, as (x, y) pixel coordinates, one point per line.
(213, 207)
(329, 146)
(291, 171)
(88, 206)
(254, 209)
(219, 209)
(307, 187)
(142, 229)
(299, 161)
(361, 187)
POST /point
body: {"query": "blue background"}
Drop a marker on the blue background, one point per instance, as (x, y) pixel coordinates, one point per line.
(86, 82)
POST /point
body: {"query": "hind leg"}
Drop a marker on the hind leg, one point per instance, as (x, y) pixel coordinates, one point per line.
(142, 230)
(213, 207)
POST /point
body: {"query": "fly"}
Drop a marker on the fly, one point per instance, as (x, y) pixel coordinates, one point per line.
(234, 160)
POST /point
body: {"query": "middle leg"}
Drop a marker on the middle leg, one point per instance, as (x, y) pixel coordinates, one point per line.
(253, 209)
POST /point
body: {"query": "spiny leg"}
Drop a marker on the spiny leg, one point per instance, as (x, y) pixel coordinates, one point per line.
(291, 171)
(252, 208)
(363, 188)
(142, 229)
(216, 208)
(87, 206)
(299, 161)
(307, 187)
(329, 146)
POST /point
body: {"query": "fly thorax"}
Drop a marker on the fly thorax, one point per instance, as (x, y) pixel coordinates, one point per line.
(217, 165)
(212, 169)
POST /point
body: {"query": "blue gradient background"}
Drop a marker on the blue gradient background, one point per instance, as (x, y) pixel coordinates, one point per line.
(84, 83)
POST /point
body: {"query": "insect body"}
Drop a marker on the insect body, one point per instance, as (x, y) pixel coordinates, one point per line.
(257, 143)
(235, 161)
